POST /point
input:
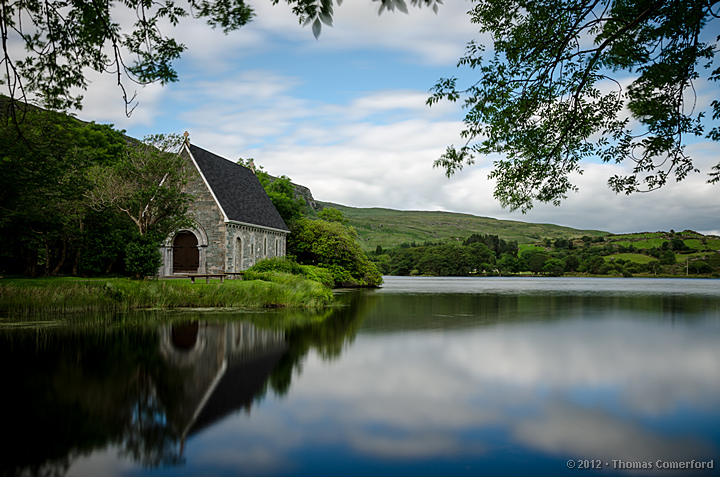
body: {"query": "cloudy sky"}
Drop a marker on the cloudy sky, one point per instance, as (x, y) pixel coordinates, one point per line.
(345, 115)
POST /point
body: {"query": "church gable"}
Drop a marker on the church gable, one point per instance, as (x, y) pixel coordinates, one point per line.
(237, 190)
(236, 222)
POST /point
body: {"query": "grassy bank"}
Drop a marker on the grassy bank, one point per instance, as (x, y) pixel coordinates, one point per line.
(25, 296)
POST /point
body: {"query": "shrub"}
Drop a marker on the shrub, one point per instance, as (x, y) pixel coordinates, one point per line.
(277, 264)
(142, 257)
(606, 268)
(264, 269)
(321, 275)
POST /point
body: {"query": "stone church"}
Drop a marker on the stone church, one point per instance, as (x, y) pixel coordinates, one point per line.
(236, 224)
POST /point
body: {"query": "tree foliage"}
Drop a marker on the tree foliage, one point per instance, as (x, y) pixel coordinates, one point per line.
(282, 195)
(334, 215)
(62, 40)
(550, 93)
(333, 246)
(146, 183)
(44, 221)
(280, 190)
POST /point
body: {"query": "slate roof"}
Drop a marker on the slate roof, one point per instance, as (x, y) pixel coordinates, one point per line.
(238, 190)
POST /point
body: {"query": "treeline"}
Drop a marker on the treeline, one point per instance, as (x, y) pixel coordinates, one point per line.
(476, 254)
(83, 199)
(491, 255)
(46, 226)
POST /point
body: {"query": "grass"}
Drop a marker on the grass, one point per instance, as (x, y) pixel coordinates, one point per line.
(528, 246)
(389, 228)
(631, 257)
(27, 296)
(713, 244)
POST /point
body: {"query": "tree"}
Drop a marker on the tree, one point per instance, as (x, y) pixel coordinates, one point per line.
(535, 259)
(450, 259)
(333, 246)
(280, 190)
(554, 267)
(43, 214)
(551, 95)
(282, 195)
(511, 264)
(334, 215)
(572, 262)
(63, 39)
(147, 184)
(668, 258)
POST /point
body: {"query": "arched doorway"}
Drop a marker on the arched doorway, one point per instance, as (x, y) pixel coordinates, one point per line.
(186, 256)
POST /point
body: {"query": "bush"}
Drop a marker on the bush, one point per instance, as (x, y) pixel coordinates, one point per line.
(265, 268)
(605, 269)
(142, 257)
(668, 258)
(320, 275)
(277, 264)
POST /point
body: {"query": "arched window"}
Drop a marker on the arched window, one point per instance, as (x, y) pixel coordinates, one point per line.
(238, 254)
(252, 251)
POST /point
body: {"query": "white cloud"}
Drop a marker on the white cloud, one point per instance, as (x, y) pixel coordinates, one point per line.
(312, 110)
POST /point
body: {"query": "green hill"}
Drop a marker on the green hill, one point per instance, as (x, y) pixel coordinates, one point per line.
(388, 227)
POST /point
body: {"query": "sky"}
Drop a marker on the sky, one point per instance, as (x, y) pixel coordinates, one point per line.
(345, 115)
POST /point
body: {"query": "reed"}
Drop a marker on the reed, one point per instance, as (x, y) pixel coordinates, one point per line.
(54, 296)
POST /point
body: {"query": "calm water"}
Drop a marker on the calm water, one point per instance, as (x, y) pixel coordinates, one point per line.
(426, 376)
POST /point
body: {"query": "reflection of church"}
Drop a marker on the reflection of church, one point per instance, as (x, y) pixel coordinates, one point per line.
(226, 365)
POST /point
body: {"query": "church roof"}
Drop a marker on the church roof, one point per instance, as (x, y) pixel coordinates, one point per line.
(237, 190)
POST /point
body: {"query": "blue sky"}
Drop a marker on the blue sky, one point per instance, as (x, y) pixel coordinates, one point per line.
(345, 115)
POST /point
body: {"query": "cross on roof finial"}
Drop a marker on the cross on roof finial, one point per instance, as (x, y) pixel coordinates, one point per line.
(187, 136)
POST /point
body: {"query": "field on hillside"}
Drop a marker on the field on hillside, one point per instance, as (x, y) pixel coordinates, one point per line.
(388, 228)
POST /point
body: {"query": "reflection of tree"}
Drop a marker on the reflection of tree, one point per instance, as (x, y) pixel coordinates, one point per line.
(470, 310)
(328, 338)
(70, 391)
(75, 390)
(148, 437)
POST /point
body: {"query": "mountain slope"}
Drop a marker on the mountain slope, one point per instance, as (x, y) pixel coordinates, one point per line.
(388, 227)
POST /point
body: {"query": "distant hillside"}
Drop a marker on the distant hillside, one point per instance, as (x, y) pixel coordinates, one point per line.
(387, 227)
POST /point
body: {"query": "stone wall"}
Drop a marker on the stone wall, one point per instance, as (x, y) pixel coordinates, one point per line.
(207, 214)
(209, 231)
(247, 245)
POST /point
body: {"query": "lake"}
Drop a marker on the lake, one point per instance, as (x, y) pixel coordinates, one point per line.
(424, 376)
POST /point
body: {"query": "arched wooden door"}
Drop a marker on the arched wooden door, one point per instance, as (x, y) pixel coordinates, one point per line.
(186, 256)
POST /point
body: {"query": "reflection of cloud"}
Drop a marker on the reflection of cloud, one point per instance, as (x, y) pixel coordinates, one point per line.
(434, 391)
(414, 446)
(104, 462)
(592, 434)
(255, 449)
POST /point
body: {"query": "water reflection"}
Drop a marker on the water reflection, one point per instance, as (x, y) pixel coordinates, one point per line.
(83, 396)
(461, 380)
(225, 367)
